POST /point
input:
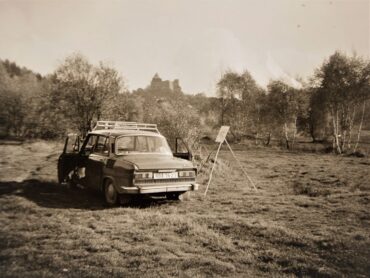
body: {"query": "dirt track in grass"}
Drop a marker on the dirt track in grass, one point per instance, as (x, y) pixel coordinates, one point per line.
(310, 217)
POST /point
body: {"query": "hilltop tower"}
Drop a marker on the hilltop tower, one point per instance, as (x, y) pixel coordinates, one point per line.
(163, 88)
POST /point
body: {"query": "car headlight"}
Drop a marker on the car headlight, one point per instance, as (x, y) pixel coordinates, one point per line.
(143, 175)
(187, 174)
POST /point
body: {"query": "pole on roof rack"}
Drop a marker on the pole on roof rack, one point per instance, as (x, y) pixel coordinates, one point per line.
(120, 125)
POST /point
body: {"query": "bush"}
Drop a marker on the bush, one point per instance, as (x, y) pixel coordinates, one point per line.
(176, 119)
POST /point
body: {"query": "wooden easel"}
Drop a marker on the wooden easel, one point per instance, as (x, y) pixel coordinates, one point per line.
(221, 138)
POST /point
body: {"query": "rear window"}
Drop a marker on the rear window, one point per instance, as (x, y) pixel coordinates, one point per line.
(142, 144)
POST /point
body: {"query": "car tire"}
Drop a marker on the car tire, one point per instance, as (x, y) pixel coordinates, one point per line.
(110, 194)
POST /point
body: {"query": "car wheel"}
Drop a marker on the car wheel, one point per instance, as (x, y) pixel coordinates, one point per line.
(110, 193)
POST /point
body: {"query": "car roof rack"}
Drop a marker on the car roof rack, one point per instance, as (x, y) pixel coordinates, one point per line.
(119, 125)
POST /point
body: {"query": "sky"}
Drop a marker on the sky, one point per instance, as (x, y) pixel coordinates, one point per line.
(194, 41)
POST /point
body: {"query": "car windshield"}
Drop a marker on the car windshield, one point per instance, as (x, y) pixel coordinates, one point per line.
(142, 144)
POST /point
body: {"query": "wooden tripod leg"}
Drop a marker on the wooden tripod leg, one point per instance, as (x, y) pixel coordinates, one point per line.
(240, 165)
(213, 167)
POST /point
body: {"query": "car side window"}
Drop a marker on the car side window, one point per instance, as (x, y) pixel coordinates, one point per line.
(126, 144)
(89, 146)
(72, 144)
(101, 146)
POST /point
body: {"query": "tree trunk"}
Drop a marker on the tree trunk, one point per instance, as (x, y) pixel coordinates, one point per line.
(258, 125)
(295, 132)
(312, 131)
(349, 142)
(222, 111)
(360, 127)
(268, 139)
(335, 131)
(343, 141)
(286, 136)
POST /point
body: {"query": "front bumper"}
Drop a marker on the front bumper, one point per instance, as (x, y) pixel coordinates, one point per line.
(147, 189)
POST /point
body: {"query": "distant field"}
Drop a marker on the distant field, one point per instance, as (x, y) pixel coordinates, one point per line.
(310, 217)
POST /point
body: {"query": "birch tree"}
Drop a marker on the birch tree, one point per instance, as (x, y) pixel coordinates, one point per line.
(284, 104)
(344, 87)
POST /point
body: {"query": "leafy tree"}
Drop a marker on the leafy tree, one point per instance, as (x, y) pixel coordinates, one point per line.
(124, 107)
(82, 89)
(343, 85)
(318, 121)
(4, 91)
(251, 96)
(207, 109)
(228, 93)
(12, 68)
(266, 121)
(175, 119)
(284, 104)
(19, 89)
(48, 111)
(238, 95)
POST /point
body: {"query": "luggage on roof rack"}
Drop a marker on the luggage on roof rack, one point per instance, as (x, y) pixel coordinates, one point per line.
(119, 125)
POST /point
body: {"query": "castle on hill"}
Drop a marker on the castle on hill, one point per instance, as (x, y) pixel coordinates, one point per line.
(162, 88)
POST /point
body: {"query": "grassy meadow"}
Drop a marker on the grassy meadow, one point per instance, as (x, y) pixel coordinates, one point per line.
(310, 217)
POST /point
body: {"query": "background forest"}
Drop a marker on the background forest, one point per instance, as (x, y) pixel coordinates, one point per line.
(331, 107)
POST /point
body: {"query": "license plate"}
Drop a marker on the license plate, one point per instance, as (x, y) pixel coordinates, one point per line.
(173, 175)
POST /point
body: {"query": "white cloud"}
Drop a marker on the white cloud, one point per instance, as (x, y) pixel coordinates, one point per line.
(278, 73)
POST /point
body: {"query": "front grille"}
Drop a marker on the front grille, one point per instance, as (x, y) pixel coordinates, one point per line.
(156, 181)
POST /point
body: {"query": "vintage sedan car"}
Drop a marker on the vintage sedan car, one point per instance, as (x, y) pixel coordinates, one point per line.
(126, 159)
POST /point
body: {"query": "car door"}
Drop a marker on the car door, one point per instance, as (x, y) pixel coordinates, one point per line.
(96, 162)
(182, 150)
(67, 161)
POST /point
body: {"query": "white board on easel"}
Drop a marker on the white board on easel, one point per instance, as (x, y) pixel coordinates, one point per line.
(221, 138)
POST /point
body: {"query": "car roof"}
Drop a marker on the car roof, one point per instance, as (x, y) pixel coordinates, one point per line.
(115, 132)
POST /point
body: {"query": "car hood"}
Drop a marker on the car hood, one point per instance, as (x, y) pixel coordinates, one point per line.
(155, 161)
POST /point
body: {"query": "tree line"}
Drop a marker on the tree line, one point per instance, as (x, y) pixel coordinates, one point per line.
(332, 106)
